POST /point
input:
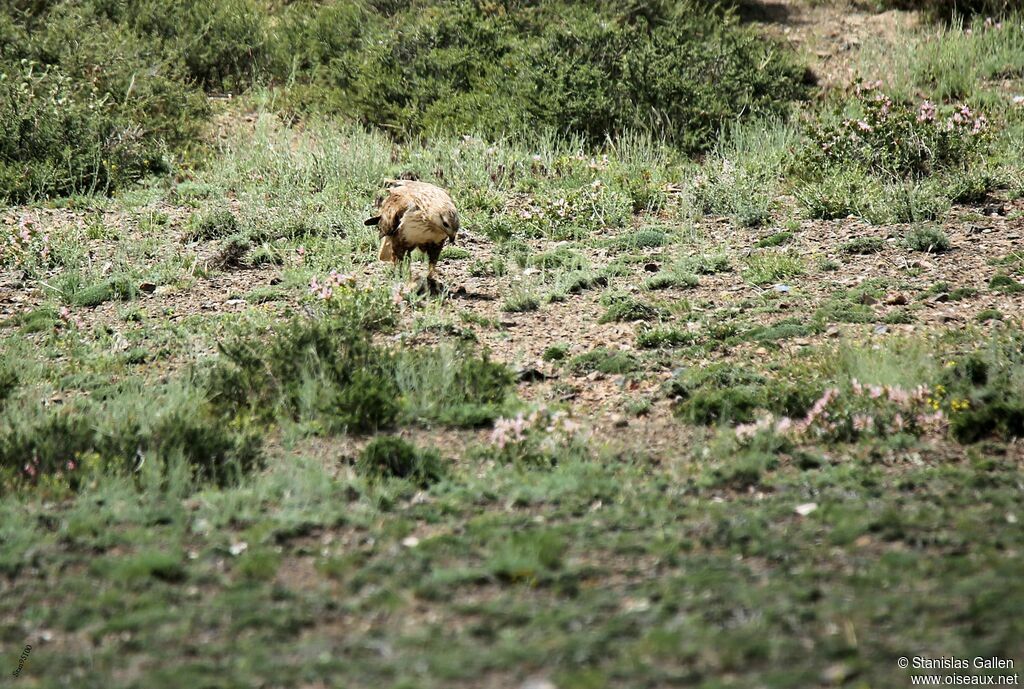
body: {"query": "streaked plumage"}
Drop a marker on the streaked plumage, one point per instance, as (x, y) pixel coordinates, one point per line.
(415, 215)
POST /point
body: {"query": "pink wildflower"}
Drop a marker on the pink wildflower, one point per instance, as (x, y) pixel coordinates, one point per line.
(898, 395)
(863, 422)
(508, 431)
(926, 113)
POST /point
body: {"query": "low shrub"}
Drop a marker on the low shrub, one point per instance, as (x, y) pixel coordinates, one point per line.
(392, 457)
(928, 239)
(604, 361)
(724, 392)
(121, 434)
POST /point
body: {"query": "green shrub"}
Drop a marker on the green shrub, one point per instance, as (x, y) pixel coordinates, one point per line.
(324, 371)
(213, 224)
(627, 310)
(451, 385)
(896, 140)
(59, 136)
(725, 392)
(655, 338)
(947, 10)
(991, 380)
(680, 70)
(863, 245)
(1005, 284)
(675, 278)
(776, 239)
(604, 361)
(392, 457)
(928, 239)
(118, 287)
(123, 432)
(555, 352)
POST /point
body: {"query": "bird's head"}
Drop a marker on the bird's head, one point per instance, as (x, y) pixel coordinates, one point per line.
(450, 223)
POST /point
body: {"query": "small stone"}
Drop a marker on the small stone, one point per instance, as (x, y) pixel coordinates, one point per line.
(784, 289)
(881, 330)
(806, 508)
(941, 298)
(652, 267)
(867, 299)
(410, 541)
(898, 299)
(833, 331)
(147, 287)
(619, 421)
(237, 549)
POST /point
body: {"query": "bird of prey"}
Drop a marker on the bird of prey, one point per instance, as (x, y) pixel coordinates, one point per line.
(415, 215)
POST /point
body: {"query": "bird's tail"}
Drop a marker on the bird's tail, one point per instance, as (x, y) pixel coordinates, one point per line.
(386, 252)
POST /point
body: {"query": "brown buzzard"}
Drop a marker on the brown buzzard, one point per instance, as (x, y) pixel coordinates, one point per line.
(415, 215)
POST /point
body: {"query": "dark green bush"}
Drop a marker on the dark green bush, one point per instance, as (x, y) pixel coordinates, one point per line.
(677, 69)
(392, 457)
(947, 10)
(311, 370)
(724, 392)
(121, 433)
(992, 381)
(627, 309)
(59, 136)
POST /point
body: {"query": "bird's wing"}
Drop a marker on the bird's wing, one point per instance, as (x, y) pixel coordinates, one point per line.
(394, 208)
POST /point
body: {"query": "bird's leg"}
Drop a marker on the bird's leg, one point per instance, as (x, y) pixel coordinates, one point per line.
(432, 270)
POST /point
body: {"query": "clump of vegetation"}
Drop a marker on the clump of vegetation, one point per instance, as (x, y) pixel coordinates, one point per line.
(213, 224)
(709, 264)
(775, 239)
(603, 360)
(118, 287)
(920, 152)
(655, 338)
(627, 309)
(644, 238)
(863, 245)
(121, 434)
(927, 238)
(629, 70)
(725, 392)
(555, 352)
(391, 457)
(323, 371)
(522, 301)
(1005, 284)
(767, 267)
